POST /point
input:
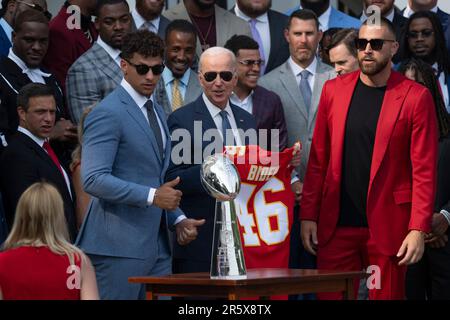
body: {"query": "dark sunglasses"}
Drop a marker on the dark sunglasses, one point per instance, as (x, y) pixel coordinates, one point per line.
(37, 7)
(212, 75)
(375, 44)
(425, 34)
(142, 69)
(249, 62)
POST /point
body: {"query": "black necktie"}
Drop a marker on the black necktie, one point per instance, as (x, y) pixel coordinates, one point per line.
(153, 121)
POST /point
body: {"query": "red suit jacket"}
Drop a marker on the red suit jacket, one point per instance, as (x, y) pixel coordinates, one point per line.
(403, 170)
(65, 45)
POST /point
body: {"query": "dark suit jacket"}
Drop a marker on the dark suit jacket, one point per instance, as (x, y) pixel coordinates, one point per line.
(5, 44)
(65, 45)
(443, 16)
(399, 23)
(443, 176)
(279, 48)
(12, 79)
(269, 114)
(196, 203)
(23, 163)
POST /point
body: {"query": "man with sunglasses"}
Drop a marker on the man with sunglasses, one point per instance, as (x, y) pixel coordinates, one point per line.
(414, 6)
(8, 13)
(263, 104)
(370, 183)
(425, 40)
(210, 115)
(97, 72)
(126, 151)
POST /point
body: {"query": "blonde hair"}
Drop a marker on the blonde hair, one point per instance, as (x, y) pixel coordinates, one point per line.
(76, 154)
(40, 221)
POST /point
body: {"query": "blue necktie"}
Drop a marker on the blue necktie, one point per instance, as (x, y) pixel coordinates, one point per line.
(225, 126)
(154, 125)
(305, 89)
(257, 37)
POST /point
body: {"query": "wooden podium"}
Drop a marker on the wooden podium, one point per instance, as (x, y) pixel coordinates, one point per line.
(261, 283)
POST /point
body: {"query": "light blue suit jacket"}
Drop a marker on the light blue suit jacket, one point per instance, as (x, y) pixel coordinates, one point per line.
(120, 162)
(338, 19)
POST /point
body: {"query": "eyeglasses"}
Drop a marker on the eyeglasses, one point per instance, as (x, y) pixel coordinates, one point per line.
(375, 44)
(37, 7)
(424, 33)
(249, 62)
(212, 75)
(142, 69)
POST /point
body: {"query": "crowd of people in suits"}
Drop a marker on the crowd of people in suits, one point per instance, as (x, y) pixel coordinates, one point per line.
(87, 116)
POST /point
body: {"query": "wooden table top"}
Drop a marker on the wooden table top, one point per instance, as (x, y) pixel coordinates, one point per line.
(254, 276)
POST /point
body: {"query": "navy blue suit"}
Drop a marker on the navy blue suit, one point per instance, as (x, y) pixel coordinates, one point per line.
(196, 203)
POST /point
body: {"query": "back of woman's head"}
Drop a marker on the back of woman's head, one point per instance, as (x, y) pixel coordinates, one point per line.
(39, 217)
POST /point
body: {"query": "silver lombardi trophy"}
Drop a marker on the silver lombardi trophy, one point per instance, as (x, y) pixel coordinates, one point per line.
(221, 179)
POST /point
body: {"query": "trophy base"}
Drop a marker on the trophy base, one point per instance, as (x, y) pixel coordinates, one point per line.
(238, 277)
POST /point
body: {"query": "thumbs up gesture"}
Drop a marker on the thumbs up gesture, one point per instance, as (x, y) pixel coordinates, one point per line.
(166, 197)
(187, 230)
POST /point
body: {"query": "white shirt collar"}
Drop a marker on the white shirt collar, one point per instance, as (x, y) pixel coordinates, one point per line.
(168, 77)
(7, 28)
(139, 20)
(390, 16)
(213, 110)
(113, 53)
(264, 18)
(325, 18)
(296, 69)
(138, 98)
(36, 139)
(28, 71)
(409, 12)
(236, 100)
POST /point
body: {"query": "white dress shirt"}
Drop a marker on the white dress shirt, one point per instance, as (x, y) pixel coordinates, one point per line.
(263, 27)
(140, 100)
(139, 21)
(36, 75)
(113, 53)
(324, 19)
(296, 69)
(40, 142)
(409, 12)
(246, 104)
(215, 114)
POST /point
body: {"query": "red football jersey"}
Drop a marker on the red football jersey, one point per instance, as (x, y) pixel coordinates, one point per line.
(266, 204)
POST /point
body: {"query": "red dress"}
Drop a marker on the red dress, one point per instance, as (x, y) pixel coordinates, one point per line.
(36, 273)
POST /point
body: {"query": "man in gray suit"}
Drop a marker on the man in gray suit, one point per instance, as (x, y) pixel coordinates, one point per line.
(97, 72)
(147, 15)
(126, 152)
(299, 83)
(179, 84)
(202, 14)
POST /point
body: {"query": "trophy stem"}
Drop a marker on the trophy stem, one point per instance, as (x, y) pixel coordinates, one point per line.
(227, 259)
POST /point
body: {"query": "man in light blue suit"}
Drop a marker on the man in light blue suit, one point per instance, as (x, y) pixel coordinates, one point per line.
(126, 151)
(328, 16)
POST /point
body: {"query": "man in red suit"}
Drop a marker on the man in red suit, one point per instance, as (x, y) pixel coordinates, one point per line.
(72, 33)
(370, 184)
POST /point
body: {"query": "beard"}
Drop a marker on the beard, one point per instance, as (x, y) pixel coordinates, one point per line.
(256, 11)
(375, 68)
(317, 6)
(204, 6)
